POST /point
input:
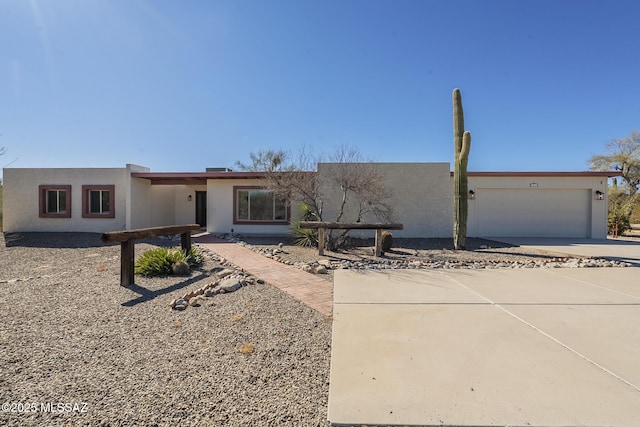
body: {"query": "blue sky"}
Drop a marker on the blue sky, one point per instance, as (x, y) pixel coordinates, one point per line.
(184, 85)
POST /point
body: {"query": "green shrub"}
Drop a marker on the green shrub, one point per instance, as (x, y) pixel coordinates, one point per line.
(303, 236)
(159, 261)
(387, 241)
(619, 216)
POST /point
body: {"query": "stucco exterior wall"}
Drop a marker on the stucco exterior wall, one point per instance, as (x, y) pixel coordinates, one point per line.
(421, 197)
(220, 209)
(598, 208)
(185, 209)
(21, 199)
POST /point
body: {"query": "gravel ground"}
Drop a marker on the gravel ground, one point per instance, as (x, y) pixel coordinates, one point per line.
(119, 356)
(479, 254)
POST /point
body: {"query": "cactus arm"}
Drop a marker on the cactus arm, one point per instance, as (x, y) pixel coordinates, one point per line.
(458, 121)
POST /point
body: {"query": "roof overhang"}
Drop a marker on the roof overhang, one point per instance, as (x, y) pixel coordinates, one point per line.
(194, 178)
(577, 174)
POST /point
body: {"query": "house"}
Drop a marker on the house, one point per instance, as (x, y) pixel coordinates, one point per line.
(549, 204)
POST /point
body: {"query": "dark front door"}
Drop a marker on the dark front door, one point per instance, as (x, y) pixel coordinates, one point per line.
(201, 208)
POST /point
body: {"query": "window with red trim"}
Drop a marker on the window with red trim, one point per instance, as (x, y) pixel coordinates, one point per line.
(55, 201)
(256, 205)
(98, 201)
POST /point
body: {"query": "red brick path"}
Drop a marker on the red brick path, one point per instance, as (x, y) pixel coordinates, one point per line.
(316, 291)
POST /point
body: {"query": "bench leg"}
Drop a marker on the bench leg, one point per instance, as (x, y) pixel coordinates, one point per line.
(320, 241)
(379, 242)
(185, 240)
(127, 255)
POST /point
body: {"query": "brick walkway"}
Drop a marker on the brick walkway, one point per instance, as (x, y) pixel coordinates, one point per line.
(314, 291)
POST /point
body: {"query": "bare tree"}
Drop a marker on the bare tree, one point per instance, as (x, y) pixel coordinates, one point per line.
(623, 155)
(355, 187)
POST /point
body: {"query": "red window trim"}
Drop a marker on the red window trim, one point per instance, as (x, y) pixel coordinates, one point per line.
(42, 189)
(246, 222)
(86, 201)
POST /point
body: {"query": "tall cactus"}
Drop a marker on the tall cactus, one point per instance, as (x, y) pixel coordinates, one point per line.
(462, 145)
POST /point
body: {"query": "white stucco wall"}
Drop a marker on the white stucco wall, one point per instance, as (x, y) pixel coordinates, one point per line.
(220, 209)
(185, 209)
(421, 197)
(21, 199)
(597, 210)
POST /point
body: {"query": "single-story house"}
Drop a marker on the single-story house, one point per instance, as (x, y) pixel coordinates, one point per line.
(549, 204)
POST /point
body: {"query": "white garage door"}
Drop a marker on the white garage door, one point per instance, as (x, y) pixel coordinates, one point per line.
(533, 212)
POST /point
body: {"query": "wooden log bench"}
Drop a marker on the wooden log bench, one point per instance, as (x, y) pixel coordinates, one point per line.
(322, 226)
(127, 244)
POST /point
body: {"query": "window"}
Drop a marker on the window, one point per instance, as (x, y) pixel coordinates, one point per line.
(98, 201)
(257, 205)
(55, 201)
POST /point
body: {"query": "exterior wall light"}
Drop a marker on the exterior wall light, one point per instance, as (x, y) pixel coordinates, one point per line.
(472, 195)
(189, 197)
(599, 195)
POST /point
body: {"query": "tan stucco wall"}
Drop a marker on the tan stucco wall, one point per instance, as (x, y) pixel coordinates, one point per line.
(420, 195)
(21, 199)
(598, 207)
(220, 209)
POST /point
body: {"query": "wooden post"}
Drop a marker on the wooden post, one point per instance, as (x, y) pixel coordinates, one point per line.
(185, 240)
(321, 241)
(127, 244)
(127, 256)
(378, 241)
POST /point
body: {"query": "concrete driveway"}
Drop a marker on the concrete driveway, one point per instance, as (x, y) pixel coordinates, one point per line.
(620, 249)
(552, 347)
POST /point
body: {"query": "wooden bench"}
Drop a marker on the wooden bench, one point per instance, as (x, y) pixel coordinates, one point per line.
(127, 244)
(322, 226)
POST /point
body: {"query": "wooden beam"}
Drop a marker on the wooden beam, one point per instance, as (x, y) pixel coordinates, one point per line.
(349, 226)
(378, 242)
(185, 241)
(127, 257)
(142, 233)
(320, 241)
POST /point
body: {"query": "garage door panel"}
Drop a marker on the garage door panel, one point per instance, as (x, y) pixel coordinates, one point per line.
(533, 212)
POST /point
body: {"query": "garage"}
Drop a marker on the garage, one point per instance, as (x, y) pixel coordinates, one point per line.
(532, 212)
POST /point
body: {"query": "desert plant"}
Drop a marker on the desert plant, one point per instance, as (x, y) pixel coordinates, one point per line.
(387, 241)
(619, 217)
(462, 146)
(160, 261)
(303, 236)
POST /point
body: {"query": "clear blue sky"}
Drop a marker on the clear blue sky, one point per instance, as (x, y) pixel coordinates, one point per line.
(183, 85)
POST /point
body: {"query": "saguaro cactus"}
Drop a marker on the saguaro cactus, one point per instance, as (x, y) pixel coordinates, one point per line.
(462, 145)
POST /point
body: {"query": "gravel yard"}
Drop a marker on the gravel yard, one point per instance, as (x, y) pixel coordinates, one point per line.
(119, 356)
(417, 253)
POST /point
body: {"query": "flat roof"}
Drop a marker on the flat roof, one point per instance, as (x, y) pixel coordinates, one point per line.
(200, 178)
(607, 174)
(194, 178)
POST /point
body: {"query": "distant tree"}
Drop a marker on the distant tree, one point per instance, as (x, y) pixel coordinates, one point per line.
(623, 155)
(360, 183)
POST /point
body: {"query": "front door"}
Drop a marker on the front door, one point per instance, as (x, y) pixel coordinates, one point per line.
(201, 208)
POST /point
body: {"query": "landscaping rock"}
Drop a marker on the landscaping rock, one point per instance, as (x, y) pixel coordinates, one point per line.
(230, 284)
(320, 269)
(180, 304)
(196, 301)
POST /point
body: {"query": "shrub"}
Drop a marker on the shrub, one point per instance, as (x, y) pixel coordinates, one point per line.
(387, 241)
(303, 236)
(617, 215)
(160, 261)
